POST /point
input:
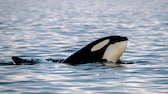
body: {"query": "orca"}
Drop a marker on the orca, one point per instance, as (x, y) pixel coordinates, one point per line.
(106, 50)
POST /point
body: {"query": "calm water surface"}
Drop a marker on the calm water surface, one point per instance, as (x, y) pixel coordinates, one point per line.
(58, 28)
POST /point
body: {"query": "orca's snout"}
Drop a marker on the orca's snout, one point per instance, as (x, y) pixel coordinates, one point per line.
(122, 38)
(115, 39)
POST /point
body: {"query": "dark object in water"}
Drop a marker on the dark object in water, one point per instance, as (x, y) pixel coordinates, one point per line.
(107, 49)
(19, 61)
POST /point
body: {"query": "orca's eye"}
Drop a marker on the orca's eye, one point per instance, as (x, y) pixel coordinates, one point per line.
(100, 45)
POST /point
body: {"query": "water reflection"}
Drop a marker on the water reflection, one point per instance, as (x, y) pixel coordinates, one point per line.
(58, 28)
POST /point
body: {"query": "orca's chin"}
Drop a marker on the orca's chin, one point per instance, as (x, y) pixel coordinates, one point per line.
(114, 51)
(111, 64)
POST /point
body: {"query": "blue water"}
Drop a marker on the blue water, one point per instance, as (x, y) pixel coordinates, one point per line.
(58, 28)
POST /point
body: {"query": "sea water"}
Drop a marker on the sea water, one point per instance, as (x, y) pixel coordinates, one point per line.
(57, 28)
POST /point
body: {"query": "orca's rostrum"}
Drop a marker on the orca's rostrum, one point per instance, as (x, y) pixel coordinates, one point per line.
(107, 49)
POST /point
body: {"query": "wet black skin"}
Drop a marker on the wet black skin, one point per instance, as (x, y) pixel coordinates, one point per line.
(85, 55)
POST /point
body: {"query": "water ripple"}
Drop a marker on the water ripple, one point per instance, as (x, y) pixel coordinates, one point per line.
(58, 28)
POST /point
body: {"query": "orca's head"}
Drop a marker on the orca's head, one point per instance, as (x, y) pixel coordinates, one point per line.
(105, 49)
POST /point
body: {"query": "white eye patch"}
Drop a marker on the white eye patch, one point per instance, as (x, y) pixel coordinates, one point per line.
(100, 45)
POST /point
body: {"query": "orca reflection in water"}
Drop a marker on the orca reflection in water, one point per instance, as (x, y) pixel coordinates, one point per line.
(107, 49)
